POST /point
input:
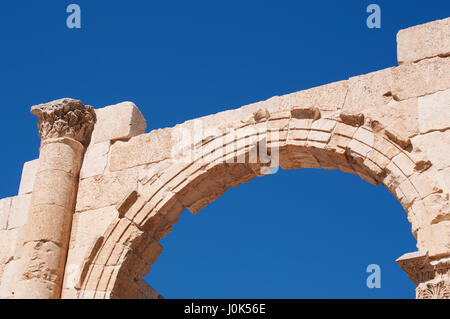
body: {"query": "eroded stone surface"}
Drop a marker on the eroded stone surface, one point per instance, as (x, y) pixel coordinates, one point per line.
(28, 175)
(424, 41)
(117, 122)
(65, 118)
(390, 127)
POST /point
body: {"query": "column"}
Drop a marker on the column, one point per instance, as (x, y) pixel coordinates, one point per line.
(65, 128)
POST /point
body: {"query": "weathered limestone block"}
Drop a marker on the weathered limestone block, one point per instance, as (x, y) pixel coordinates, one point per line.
(405, 164)
(444, 177)
(105, 190)
(18, 215)
(8, 240)
(9, 279)
(434, 111)
(329, 97)
(28, 175)
(144, 149)
(90, 225)
(421, 78)
(118, 122)
(5, 206)
(423, 41)
(369, 90)
(87, 228)
(425, 183)
(435, 238)
(95, 159)
(419, 216)
(437, 206)
(396, 116)
(434, 144)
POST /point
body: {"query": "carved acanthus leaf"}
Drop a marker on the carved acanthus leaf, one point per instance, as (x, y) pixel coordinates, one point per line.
(434, 290)
(65, 118)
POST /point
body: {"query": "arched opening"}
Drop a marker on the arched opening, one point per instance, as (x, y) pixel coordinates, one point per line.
(131, 244)
(295, 234)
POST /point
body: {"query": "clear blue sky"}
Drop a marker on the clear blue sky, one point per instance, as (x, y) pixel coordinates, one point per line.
(288, 235)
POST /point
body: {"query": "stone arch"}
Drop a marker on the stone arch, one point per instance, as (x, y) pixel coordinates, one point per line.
(304, 137)
(390, 127)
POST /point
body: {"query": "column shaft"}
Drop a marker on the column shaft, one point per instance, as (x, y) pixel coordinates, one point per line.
(65, 127)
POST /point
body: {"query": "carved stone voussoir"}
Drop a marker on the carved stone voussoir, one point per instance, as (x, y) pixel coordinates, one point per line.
(65, 118)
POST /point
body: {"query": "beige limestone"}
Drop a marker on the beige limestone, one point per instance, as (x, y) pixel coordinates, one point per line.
(421, 78)
(18, 214)
(118, 199)
(5, 206)
(434, 111)
(435, 238)
(424, 41)
(105, 190)
(64, 126)
(95, 160)
(432, 144)
(118, 122)
(137, 150)
(28, 176)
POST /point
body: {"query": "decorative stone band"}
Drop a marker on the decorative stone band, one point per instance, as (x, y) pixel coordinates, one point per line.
(65, 118)
(430, 274)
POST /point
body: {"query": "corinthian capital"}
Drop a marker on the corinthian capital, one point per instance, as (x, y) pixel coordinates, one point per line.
(65, 118)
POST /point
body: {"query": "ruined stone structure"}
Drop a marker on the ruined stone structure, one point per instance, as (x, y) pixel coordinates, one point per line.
(91, 210)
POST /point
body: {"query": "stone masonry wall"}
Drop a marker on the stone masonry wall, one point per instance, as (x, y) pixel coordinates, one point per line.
(390, 127)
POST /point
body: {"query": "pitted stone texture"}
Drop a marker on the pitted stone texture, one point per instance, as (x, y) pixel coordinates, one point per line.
(139, 150)
(65, 118)
(421, 78)
(9, 279)
(369, 90)
(8, 240)
(28, 175)
(64, 155)
(95, 159)
(435, 238)
(434, 111)
(118, 122)
(18, 214)
(424, 41)
(41, 276)
(5, 207)
(105, 190)
(433, 145)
